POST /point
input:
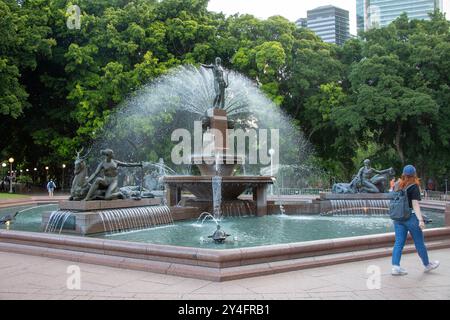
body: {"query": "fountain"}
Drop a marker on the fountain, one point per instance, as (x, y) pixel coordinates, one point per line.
(285, 237)
(95, 208)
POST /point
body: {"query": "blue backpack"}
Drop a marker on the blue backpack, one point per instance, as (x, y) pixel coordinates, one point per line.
(399, 209)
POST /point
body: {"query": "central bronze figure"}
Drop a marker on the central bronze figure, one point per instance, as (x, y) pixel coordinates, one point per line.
(219, 82)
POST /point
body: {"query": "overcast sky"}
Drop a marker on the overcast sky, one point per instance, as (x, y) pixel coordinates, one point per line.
(290, 9)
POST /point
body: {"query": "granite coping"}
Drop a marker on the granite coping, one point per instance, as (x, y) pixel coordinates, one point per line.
(102, 204)
(226, 179)
(207, 272)
(199, 255)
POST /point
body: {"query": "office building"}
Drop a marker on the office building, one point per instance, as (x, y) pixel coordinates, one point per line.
(330, 23)
(379, 13)
(302, 23)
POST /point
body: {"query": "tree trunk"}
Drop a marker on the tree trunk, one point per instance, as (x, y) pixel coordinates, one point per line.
(397, 143)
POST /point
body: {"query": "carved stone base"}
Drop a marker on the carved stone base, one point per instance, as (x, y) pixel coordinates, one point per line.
(91, 222)
(355, 196)
(103, 204)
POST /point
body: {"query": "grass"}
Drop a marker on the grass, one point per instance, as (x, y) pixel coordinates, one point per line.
(7, 196)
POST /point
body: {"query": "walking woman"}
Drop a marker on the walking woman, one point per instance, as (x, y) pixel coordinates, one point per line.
(415, 224)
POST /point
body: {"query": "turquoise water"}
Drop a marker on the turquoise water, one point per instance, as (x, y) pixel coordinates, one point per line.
(29, 217)
(276, 229)
(245, 232)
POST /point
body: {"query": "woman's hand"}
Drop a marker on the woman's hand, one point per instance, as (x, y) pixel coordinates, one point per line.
(422, 224)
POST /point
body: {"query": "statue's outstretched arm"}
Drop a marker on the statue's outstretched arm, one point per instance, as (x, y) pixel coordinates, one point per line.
(129, 165)
(383, 171)
(208, 66)
(97, 171)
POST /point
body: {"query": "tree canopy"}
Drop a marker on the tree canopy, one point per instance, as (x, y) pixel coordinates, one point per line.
(384, 95)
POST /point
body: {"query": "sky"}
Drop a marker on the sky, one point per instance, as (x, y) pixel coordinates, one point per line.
(290, 9)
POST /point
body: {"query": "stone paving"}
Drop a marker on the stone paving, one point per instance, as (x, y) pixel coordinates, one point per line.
(31, 277)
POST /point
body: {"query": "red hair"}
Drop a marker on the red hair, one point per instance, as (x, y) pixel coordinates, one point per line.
(406, 181)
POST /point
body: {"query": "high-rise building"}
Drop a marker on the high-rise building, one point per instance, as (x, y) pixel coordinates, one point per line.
(379, 13)
(330, 23)
(302, 23)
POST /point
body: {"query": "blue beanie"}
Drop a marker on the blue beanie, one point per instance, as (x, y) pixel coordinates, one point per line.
(409, 170)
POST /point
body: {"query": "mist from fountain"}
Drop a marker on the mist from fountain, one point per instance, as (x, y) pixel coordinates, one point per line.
(142, 126)
(175, 100)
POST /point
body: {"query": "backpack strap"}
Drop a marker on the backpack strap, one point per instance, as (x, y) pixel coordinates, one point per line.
(406, 192)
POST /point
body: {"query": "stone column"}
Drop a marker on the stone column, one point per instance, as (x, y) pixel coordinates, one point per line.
(173, 195)
(261, 199)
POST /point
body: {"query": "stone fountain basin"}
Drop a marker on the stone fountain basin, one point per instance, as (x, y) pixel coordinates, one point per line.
(232, 186)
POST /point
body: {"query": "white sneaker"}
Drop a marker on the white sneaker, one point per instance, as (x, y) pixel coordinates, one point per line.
(398, 271)
(431, 266)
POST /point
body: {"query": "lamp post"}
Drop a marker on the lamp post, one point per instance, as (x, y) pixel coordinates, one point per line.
(11, 161)
(3, 175)
(62, 178)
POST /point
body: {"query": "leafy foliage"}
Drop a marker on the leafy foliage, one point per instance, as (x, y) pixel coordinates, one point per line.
(385, 95)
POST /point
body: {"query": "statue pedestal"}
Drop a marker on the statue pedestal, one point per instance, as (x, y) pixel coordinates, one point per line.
(90, 217)
(354, 201)
(103, 204)
(232, 187)
(354, 196)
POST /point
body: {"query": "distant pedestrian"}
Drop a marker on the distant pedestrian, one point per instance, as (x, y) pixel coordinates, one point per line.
(430, 185)
(414, 225)
(51, 188)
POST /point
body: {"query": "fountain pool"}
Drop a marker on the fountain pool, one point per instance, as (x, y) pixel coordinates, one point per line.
(247, 231)
(261, 231)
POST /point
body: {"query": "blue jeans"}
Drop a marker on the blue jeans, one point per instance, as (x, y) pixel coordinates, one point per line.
(401, 232)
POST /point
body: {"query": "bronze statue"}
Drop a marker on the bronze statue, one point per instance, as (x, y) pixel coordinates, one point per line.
(109, 181)
(80, 185)
(373, 181)
(368, 180)
(219, 82)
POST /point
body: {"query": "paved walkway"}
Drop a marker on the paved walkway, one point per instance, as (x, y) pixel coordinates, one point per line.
(29, 277)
